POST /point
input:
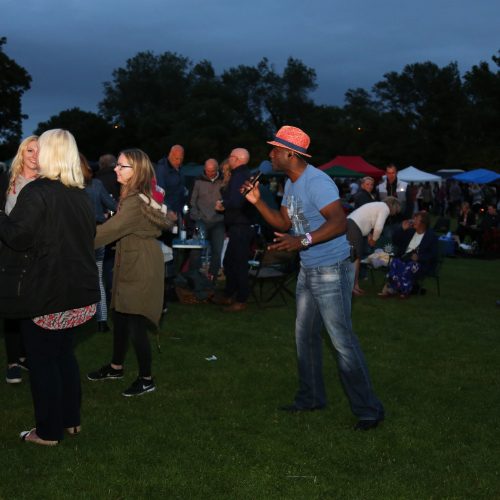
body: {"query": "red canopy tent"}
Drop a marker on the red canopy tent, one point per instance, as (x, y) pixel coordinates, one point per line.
(356, 163)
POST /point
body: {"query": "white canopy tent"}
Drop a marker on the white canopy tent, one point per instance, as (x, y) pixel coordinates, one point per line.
(412, 174)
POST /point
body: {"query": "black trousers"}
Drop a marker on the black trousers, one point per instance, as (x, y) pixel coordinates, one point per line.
(236, 261)
(54, 378)
(14, 347)
(135, 327)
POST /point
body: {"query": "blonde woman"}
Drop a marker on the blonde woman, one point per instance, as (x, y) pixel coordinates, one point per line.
(52, 224)
(138, 275)
(24, 169)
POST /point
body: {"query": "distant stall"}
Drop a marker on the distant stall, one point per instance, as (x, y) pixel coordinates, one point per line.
(355, 163)
(412, 174)
(478, 176)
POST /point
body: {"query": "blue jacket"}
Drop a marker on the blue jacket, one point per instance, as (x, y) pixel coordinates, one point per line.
(174, 184)
(101, 199)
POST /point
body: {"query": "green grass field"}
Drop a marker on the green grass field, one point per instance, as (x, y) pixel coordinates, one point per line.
(212, 430)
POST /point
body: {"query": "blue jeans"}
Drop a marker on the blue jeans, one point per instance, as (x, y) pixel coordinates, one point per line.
(324, 299)
(214, 233)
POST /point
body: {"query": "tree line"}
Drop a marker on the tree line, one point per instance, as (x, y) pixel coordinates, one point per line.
(429, 116)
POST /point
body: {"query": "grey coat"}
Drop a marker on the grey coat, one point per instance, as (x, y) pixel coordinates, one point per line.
(205, 194)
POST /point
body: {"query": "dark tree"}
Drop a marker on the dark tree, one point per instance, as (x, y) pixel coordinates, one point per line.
(481, 121)
(146, 98)
(423, 104)
(14, 81)
(94, 136)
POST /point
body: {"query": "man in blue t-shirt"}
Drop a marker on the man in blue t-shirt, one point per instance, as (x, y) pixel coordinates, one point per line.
(311, 210)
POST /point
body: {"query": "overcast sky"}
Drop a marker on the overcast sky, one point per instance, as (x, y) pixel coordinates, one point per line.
(70, 47)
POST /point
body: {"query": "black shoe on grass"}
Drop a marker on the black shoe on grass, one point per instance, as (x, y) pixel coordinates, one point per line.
(105, 373)
(140, 386)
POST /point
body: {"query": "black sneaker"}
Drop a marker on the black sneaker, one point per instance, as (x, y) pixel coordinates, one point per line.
(140, 386)
(13, 375)
(105, 373)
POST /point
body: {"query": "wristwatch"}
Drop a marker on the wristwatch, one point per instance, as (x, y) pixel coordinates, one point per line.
(306, 241)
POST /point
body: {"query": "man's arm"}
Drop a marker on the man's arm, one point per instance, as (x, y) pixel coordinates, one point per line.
(276, 218)
(335, 225)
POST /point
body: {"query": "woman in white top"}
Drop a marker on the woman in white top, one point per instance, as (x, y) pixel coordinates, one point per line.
(368, 221)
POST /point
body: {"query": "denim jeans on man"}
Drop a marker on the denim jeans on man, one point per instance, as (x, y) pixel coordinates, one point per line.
(324, 299)
(214, 234)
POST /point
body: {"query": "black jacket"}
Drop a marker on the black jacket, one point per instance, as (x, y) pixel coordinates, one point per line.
(362, 197)
(237, 210)
(427, 251)
(4, 184)
(52, 228)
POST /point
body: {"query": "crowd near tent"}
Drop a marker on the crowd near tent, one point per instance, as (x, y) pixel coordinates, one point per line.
(412, 174)
(356, 164)
(478, 176)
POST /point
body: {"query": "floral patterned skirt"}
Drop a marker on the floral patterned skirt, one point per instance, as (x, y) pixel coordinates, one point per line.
(402, 275)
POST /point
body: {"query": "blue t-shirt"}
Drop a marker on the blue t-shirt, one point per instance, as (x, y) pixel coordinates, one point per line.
(304, 199)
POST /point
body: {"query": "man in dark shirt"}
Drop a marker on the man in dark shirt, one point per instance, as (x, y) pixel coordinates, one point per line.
(238, 219)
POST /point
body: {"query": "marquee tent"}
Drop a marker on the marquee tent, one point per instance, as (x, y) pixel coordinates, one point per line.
(342, 172)
(412, 174)
(478, 176)
(356, 163)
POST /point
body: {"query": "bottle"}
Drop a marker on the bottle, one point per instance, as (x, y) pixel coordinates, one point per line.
(183, 222)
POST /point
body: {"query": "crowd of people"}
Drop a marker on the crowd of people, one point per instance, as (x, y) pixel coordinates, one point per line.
(75, 242)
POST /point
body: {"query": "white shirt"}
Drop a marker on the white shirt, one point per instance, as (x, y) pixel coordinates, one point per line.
(414, 242)
(371, 216)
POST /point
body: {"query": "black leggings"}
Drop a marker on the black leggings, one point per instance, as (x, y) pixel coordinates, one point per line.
(14, 346)
(134, 326)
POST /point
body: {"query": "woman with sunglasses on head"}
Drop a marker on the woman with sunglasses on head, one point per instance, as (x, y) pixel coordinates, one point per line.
(138, 274)
(51, 229)
(24, 169)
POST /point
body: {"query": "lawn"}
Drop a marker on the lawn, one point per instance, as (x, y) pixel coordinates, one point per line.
(212, 430)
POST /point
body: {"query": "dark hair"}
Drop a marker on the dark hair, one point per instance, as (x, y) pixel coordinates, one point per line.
(425, 217)
(86, 170)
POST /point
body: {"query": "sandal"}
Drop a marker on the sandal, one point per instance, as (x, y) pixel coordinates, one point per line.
(74, 431)
(32, 437)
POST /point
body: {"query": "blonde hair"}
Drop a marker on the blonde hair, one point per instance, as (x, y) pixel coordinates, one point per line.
(142, 178)
(59, 159)
(17, 163)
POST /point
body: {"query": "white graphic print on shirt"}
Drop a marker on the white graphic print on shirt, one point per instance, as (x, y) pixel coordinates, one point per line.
(300, 224)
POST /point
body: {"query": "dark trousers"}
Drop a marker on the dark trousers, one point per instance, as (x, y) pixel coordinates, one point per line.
(135, 327)
(54, 378)
(236, 262)
(14, 347)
